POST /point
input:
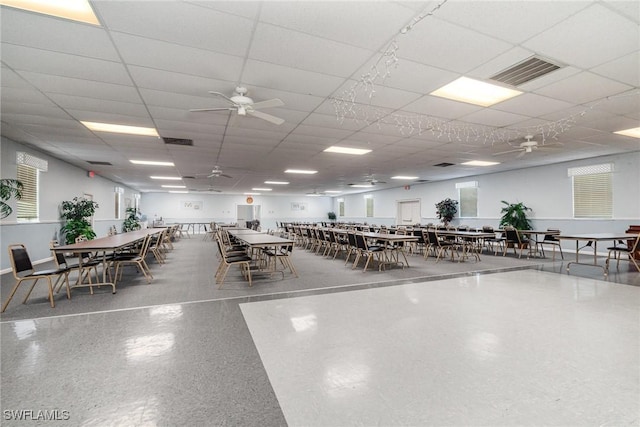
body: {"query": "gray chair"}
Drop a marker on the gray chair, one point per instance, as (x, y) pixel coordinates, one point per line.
(624, 247)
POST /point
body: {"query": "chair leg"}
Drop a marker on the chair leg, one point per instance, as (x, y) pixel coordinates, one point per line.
(13, 292)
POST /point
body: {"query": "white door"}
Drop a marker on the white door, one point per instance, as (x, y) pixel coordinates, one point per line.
(408, 212)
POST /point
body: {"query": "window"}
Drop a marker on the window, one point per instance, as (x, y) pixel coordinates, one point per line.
(27, 206)
(369, 204)
(341, 208)
(28, 172)
(592, 191)
(468, 197)
(118, 191)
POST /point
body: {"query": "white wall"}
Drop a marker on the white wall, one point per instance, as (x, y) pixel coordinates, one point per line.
(222, 208)
(546, 189)
(61, 182)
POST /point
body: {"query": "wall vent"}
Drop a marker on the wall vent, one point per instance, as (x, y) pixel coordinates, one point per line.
(178, 141)
(444, 165)
(97, 162)
(525, 71)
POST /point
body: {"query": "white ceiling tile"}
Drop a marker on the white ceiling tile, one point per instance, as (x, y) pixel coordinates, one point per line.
(62, 64)
(591, 37)
(583, 87)
(54, 34)
(441, 108)
(369, 24)
(174, 57)
(625, 70)
(450, 47)
(532, 105)
(289, 79)
(329, 57)
(180, 23)
(494, 118)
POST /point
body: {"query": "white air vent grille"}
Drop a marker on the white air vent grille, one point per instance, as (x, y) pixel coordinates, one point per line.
(525, 71)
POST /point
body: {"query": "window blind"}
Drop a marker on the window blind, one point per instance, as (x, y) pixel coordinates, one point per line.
(369, 207)
(592, 196)
(468, 197)
(27, 206)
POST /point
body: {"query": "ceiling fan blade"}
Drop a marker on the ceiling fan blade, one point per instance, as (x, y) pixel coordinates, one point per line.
(198, 110)
(522, 154)
(267, 104)
(225, 175)
(509, 151)
(264, 116)
(222, 95)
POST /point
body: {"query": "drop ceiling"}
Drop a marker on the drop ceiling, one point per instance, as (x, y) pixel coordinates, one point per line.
(150, 62)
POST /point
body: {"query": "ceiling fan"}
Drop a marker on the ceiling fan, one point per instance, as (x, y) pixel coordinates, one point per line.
(244, 105)
(370, 181)
(528, 146)
(216, 172)
(205, 190)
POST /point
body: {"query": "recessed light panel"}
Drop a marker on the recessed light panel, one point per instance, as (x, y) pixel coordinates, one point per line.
(151, 163)
(261, 189)
(475, 92)
(301, 171)
(168, 178)
(173, 186)
(404, 177)
(479, 163)
(76, 10)
(130, 130)
(634, 133)
(276, 182)
(347, 150)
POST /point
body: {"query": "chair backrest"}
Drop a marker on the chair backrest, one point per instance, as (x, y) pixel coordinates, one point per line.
(635, 246)
(487, 229)
(20, 261)
(512, 234)
(433, 238)
(351, 238)
(360, 242)
(551, 237)
(58, 257)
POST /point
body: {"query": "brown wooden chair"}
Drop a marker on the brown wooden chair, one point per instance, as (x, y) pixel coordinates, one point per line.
(23, 270)
(137, 260)
(516, 241)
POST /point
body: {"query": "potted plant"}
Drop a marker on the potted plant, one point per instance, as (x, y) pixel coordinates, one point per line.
(515, 215)
(76, 212)
(331, 216)
(131, 222)
(446, 210)
(9, 188)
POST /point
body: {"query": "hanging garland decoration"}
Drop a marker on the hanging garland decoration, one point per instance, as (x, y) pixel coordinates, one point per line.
(347, 107)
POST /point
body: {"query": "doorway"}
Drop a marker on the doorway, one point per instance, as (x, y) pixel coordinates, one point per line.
(247, 215)
(408, 212)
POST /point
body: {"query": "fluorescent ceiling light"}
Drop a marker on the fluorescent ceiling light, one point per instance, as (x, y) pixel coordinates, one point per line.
(151, 163)
(333, 191)
(312, 195)
(261, 189)
(475, 92)
(178, 192)
(634, 133)
(173, 186)
(131, 130)
(347, 150)
(168, 178)
(276, 182)
(302, 171)
(361, 185)
(479, 163)
(404, 177)
(76, 10)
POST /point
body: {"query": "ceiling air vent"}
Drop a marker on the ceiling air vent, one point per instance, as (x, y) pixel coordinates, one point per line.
(525, 71)
(178, 141)
(444, 165)
(96, 162)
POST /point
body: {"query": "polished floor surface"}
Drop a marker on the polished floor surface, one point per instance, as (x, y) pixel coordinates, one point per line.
(518, 348)
(498, 342)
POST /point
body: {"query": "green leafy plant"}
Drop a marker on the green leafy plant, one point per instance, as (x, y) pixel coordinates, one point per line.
(515, 215)
(131, 222)
(332, 216)
(446, 210)
(9, 188)
(76, 212)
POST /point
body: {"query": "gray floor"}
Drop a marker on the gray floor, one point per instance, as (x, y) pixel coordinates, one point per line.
(179, 352)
